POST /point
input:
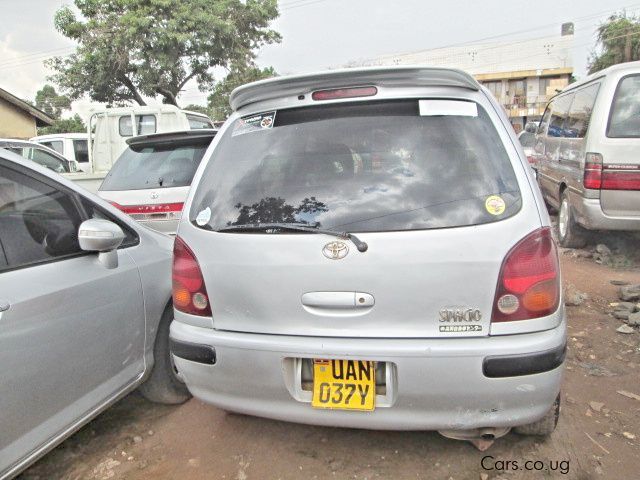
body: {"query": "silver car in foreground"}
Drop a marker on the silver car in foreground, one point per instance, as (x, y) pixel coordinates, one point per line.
(85, 307)
(368, 248)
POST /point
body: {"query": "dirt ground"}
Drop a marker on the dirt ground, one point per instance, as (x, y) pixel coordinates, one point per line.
(598, 436)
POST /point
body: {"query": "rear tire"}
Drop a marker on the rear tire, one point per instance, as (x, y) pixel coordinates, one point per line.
(545, 426)
(570, 234)
(163, 385)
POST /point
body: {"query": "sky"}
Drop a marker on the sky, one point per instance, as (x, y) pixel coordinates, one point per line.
(321, 34)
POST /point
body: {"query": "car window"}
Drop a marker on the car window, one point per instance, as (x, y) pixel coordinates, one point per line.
(54, 145)
(559, 114)
(42, 157)
(160, 166)
(580, 111)
(197, 122)
(145, 124)
(81, 150)
(374, 166)
(624, 119)
(38, 222)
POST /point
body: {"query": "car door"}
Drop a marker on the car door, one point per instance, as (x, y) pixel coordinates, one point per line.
(71, 330)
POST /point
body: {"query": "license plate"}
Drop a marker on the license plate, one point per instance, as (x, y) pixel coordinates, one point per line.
(344, 384)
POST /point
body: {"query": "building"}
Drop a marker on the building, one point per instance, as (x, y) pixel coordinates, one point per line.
(18, 119)
(521, 74)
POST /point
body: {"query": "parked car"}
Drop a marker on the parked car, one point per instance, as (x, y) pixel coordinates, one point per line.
(40, 154)
(73, 146)
(344, 260)
(151, 179)
(85, 306)
(589, 154)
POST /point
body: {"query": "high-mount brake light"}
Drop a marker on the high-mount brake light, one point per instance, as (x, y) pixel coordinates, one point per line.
(350, 92)
(189, 292)
(529, 281)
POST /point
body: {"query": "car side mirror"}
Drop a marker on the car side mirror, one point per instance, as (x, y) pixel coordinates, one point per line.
(102, 236)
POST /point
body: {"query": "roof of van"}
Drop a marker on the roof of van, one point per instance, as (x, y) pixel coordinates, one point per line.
(76, 136)
(619, 67)
(403, 76)
(168, 137)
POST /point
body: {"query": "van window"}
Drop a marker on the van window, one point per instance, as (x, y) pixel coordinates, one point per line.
(544, 121)
(54, 145)
(81, 149)
(361, 167)
(624, 119)
(155, 166)
(559, 114)
(145, 124)
(580, 111)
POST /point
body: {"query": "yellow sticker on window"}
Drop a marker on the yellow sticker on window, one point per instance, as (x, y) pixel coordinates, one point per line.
(495, 205)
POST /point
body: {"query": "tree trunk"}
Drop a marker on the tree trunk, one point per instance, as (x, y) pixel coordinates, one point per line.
(627, 46)
(134, 92)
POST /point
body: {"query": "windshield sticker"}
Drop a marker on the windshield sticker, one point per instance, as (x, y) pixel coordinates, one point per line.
(254, 123)
(435, 108)
(203, 217)
(495, 205)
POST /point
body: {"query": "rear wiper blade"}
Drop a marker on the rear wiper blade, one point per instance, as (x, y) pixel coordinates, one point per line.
(298, 227)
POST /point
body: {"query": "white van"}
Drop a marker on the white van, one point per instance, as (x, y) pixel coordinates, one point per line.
(588, 150)
(110, 129)
(72, 146)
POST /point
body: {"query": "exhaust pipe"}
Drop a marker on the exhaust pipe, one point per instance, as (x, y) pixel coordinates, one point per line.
(481, 438)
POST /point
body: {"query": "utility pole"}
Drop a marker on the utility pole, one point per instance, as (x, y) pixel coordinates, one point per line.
(627, 45)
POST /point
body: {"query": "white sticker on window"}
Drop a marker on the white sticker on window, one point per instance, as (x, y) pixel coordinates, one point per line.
(433, 108)
(203, 217)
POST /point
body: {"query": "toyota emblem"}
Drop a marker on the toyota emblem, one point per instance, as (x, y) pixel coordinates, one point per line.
(335, 250)
(154, 195)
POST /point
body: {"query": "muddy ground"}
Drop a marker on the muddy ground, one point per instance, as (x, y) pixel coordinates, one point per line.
(598, 436)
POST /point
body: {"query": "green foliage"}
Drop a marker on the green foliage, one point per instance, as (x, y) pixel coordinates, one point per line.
(65, 125)
(618, 41)
(48, 100)
(197, 108)
(128, 49)
(219, 99)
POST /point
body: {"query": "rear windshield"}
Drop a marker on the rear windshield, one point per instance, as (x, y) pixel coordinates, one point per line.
(81, 149)
(375, 166)
(160, 166)
(624, 119)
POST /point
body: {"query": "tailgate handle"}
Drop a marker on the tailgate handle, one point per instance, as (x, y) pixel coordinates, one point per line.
(337, 300)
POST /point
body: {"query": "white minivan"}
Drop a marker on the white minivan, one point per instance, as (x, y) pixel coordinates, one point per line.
(588, 154)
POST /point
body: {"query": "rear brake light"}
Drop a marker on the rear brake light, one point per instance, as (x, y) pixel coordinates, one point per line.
(189, 292)
(620, 179)
(352, 92)
(157, 208)
(529, 283)
(593, 171)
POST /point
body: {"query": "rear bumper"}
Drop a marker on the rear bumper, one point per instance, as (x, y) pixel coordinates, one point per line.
(590, 215)
(433, 384)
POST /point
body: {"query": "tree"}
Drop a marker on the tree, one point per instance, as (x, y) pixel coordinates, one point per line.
(197, 108)
(128, 49)
(218, 101)
(65, 125)
(618, 41)
(48, 100)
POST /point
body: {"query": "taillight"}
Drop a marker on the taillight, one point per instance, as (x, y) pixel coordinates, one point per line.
(529, 283)
(593, 171)
(189, 292)
(621, 177)
(156, 208)
(351, 92)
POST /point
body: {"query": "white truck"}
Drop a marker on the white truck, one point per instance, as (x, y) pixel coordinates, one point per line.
(108, 130)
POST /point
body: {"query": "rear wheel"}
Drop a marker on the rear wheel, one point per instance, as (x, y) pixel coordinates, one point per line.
(570, 234)
(545, 426)
(164, 385)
